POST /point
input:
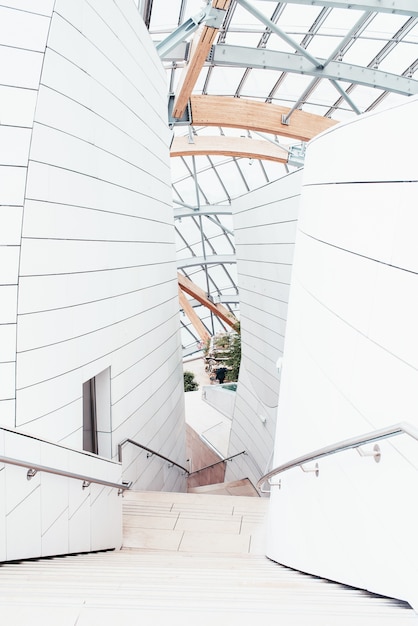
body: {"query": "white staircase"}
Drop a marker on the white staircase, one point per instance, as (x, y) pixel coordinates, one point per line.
(187, 559)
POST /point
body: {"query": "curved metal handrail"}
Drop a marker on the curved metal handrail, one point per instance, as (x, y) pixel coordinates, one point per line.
(36, 467)
(153, 452)
(340, 446)
(228, 458)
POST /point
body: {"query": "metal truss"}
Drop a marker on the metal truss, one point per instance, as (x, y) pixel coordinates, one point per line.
(211, 259)
(241, 56)
(397, 7)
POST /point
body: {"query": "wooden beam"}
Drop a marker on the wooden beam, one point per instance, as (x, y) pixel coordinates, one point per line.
(258, 116)
(193, 317)
(196, 292)
(228, 146)
(200, 48)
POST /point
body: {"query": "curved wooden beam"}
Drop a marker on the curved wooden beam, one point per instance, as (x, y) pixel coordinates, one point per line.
(189, 287)
(257, 116)
(228, 146)
(193, 317)
(201, 45)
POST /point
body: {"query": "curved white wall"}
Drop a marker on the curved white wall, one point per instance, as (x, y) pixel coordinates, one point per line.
(88, 274)
(351, 359)
(265, 228)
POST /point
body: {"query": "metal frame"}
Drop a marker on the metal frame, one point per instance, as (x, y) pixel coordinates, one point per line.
(33, 468)
(397, 7)
(402, 428)
(258, 58)
(213, 259)
(312, 96)
(150, 452)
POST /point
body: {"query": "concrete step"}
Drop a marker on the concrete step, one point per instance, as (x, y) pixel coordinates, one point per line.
(193, 522)
(210, 574)
(243, 487)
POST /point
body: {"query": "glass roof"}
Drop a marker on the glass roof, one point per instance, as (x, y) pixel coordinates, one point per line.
(375, 36)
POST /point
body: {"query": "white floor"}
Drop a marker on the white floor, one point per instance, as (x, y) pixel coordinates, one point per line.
(203, 418)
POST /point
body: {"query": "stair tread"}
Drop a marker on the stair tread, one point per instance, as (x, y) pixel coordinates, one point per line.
(197, 557)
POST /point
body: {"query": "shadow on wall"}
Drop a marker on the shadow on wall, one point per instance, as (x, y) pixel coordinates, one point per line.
(201, 455)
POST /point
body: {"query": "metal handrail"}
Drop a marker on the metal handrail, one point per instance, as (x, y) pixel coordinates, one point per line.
(36, 467)
(229, 458)
(340, 446)
(153, 452)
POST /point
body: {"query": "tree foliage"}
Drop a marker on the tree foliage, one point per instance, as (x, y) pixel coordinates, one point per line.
(234, 358)
(190, 384)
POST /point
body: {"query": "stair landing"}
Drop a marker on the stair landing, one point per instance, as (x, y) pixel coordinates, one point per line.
(242, 487)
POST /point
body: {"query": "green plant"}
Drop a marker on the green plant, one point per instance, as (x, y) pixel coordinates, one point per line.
(206, 346)
(221, 341)
(233, 360)
(190, 384)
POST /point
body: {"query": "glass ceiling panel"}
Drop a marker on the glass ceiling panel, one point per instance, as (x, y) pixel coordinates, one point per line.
(222, 178)
(400, 58)
(259, 83)
(363, 51)
(251, 39)
(224, 81)
(293, 86)
(384, 26)
(364, 96)
(297, 22)
(339, 22)
(164, 15)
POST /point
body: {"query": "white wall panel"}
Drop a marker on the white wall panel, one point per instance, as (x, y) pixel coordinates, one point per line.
(69, 222)
(96, 266)
(51, 184)
(71, 153)
(265, 230)
(17, 106)
(7, 381)
(7, 342)
(51, 327)
(10, 225)
(42, 293)
(14, 145)
(20, 68)
(8, 297)
(22, 29)
(381, 167)
(12, 184)
(42, 7)
(350, 361)
(9, 258)
(39, 256)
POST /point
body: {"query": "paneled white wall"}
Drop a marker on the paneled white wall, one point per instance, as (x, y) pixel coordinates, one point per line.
(87, 253)
(23, 35)
(265, 228)
(350, 362)
(51, 514)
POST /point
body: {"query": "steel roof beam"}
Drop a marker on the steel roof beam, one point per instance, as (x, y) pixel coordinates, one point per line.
(206, 209)
(241, 56)
(341, 48)
(278, 31)
(212, 259)
(399, 7)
